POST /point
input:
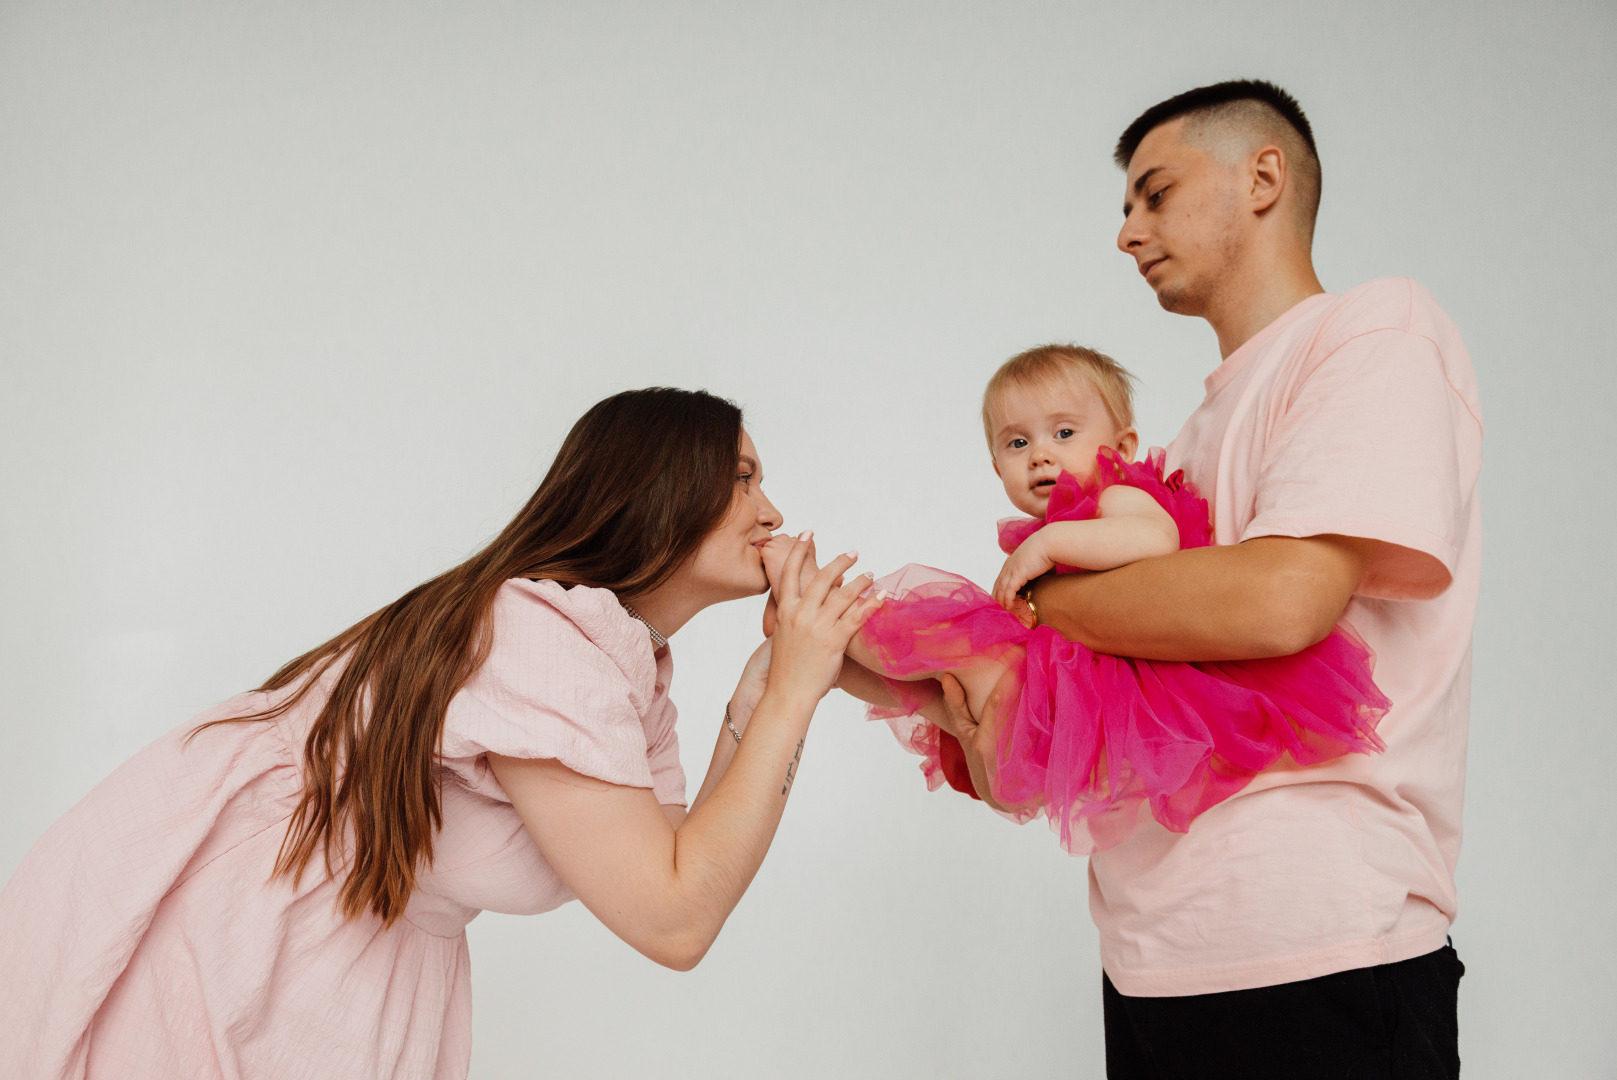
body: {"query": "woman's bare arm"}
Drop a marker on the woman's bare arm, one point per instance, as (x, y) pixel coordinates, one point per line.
(743, 702)
(667, 891)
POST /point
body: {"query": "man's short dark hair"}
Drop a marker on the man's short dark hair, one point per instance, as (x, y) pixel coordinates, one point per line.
(1249, 105)
(1207, 99)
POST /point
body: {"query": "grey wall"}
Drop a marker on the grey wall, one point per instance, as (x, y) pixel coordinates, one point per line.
(296, 300)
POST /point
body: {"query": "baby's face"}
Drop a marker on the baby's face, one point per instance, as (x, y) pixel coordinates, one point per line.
(1039, 432)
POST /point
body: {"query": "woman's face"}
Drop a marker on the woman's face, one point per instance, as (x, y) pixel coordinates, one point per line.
(730, 562)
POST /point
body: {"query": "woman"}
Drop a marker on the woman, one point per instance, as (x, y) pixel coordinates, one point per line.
(281, 889)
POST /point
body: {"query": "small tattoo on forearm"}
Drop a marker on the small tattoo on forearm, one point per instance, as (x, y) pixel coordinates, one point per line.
(791, 768)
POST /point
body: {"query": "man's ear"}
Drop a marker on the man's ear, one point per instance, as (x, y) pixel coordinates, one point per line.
(1266, 171)
(1128, 443)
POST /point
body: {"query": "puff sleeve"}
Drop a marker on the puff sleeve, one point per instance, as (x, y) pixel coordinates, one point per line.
(568, 677)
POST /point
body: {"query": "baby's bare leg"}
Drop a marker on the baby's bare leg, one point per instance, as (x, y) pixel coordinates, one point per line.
(978, 677)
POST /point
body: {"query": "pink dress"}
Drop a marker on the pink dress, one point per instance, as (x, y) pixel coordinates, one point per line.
(142, 938)
(1087, 739)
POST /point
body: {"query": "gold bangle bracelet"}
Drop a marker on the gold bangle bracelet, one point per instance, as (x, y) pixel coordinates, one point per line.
(1027, 598)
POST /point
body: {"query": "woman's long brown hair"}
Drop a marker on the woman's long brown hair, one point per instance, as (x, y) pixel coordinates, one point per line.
(640, 480)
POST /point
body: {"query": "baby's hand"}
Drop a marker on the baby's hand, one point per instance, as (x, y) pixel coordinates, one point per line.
(1026, 563)
(1022, 608)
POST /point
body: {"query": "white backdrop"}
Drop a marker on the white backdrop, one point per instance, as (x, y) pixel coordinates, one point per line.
(297, 300)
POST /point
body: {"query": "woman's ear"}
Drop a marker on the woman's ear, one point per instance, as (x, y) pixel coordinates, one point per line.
(1127, 443)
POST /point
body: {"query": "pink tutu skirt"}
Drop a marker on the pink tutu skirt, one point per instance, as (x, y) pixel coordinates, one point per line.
(1086, 738)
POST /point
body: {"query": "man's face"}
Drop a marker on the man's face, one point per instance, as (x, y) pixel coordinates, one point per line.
(1181, 220)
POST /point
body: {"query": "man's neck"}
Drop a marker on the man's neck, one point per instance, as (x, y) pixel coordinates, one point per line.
(1256, 299)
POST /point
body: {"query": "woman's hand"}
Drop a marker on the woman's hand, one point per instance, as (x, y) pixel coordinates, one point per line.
(1030, 560)
(771, 612)
(754, 677)
(815, 621)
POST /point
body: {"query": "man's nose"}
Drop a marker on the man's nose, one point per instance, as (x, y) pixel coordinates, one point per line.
(1130, 236)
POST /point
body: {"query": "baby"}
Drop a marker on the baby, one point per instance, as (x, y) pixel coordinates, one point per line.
(1084, 737)
(1049, 411)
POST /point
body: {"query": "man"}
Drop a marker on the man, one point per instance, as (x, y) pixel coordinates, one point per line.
(1299, 928)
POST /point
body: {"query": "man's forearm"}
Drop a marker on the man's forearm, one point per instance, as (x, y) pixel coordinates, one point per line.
(1267, 597)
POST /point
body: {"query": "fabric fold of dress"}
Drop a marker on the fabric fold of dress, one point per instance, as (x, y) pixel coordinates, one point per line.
(143, 937)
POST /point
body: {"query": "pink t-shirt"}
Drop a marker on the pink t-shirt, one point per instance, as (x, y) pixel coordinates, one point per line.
(1354, 414)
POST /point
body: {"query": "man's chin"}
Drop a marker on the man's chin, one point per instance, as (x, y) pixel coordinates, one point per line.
(1178, 300)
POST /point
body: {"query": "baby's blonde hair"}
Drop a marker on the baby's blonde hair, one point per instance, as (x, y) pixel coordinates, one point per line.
(1051, 365)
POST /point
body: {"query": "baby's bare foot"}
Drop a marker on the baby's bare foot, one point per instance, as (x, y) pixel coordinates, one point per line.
(775, 552)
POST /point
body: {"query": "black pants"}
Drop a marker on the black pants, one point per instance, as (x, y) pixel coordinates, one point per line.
(1392, 1022)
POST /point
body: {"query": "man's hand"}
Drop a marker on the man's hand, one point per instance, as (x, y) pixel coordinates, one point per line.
(951, 714)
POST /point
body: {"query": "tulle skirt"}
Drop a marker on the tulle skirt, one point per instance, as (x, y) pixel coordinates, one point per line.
(1086, 739)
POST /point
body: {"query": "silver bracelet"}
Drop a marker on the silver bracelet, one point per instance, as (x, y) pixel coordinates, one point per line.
(731, 724)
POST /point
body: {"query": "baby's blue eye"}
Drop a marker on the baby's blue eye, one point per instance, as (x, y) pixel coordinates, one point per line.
(1065, 433)
(1017, 444)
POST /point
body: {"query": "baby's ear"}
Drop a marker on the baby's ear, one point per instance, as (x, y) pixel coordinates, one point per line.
(1127, 443)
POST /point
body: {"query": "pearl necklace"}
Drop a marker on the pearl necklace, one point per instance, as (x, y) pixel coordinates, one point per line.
(657, 639)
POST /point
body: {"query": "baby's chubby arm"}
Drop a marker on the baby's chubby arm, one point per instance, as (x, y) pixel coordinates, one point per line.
(1130, 525)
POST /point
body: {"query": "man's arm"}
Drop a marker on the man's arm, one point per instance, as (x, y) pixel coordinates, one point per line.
(1269, 596)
